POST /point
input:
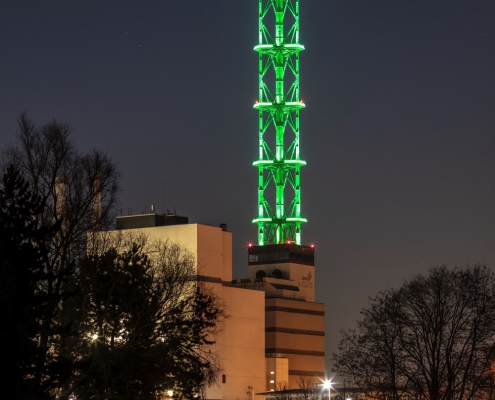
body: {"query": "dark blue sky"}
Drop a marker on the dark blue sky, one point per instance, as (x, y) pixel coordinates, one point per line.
(398, 131)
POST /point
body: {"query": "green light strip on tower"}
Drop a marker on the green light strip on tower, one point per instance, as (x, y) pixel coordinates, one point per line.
(279, 163)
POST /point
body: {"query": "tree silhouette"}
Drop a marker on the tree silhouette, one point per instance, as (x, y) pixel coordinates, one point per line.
(434, 337)
(28, 372)
(145, 324)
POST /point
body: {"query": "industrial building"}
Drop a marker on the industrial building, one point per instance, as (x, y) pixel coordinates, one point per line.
(241, 344)
(294, 322)
(274, 333)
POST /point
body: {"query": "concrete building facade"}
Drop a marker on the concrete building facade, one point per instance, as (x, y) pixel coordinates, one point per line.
(294, 322)
(274, 334)
(241, 345)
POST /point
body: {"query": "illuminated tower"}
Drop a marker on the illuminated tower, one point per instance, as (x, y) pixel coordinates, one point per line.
(279, 177)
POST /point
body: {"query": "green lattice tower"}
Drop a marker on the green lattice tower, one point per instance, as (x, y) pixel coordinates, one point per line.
(278, 104)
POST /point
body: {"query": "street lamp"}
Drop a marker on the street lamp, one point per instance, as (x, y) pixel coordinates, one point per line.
(327, 384)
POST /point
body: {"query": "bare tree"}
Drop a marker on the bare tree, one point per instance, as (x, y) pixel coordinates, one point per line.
(80, 189)
(448, 331)
(282, 390)
(432, 338)
(308, 389)
(370, 356)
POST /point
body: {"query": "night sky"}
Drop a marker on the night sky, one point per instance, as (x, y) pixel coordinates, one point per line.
(398, 132)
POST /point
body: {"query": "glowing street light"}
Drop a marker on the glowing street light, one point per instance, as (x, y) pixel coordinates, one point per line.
(327, 384)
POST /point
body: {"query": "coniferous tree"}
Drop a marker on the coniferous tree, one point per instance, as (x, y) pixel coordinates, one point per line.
(23, 244)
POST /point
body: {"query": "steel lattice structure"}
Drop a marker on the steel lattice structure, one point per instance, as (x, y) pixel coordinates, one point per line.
(278, 104)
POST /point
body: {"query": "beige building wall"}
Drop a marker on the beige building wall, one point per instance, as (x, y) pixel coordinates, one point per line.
(241, 345)
(277, 373)
(296, 330)
(211, 246)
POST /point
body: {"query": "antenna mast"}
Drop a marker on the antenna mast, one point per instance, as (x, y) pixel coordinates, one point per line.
(278, 106)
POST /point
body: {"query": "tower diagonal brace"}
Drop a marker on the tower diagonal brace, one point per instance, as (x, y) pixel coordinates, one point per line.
(279, 199)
